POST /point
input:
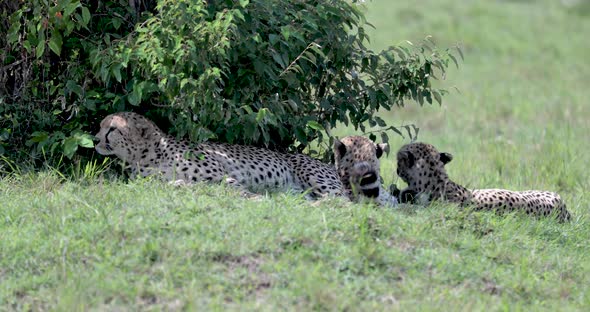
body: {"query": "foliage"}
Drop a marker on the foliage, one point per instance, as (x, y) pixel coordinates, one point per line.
(270, 73)
(49, 98)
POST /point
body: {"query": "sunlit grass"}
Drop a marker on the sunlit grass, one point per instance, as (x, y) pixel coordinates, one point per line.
(152, 245)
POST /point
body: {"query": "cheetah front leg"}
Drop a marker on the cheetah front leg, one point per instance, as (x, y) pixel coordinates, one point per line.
(405, 196)
(244, 192)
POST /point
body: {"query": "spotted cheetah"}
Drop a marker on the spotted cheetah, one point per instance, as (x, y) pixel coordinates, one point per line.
(422, 167)
(147, 150)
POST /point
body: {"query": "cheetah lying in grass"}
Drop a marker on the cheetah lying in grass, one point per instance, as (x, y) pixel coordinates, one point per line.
(147, 150)
(422, 167)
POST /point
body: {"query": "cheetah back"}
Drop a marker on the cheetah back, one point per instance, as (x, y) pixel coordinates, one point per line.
(542, 203)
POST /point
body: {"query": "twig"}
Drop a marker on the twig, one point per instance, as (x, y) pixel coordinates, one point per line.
(10, 65)
(298, 57)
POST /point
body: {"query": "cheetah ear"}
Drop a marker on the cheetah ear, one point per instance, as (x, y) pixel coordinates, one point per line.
(445, 157)
(339, 148)
(120, 123)
(381, 148)
(117, 122)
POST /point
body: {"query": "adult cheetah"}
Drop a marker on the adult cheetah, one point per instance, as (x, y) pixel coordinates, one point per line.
(147, 150)
(422, 167)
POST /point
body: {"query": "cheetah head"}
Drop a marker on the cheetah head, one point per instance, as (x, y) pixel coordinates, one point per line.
(420, 163)
(125, 135)
(357, 163)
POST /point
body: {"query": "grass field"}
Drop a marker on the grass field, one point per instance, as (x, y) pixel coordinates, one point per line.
(520, 120)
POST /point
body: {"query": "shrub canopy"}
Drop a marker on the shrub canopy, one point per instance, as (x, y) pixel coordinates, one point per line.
(272, 73)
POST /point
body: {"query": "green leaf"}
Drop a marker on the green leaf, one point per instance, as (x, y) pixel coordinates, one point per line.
(273, 39)
(437, 96)
(300, 135)
(126, 56)
(401, 53)
(27, 45)
(85, 140)
(277, 57)
(116, 71)
(380, 121)
(315, 125)
(248, 109)
(292, 105)
(72, 86)
(460, 52)
(286, 32)
(70, 8)
(416, 130)
(4, 134)
(116, 23)
(86, 16)
(396, 130)
(310, 57)
(384, 137)
(427, 95)
(70, 146)
(136, 95)
(317, 49)
(55, 42)
(454, 60)
(249, 129)
(261, 114)
(40, 49)
(134, 98)
(39, 136)
(409, 130)
(265, 134)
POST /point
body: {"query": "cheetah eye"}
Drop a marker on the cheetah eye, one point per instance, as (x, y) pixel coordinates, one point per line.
(111, 129)
(411, 160)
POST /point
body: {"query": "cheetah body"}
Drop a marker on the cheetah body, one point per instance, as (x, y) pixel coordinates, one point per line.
(422, 167)
(147, 151)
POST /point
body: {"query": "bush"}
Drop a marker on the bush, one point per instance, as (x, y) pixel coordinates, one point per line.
(271, 73)
(50, 100)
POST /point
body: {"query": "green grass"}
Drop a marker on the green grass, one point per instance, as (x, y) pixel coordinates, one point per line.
(112, 245)
(520, 121)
